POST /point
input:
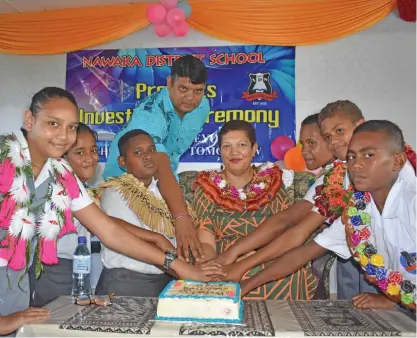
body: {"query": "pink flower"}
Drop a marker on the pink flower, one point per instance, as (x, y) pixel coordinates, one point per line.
(265, 172)
(235, 193)
(217, 179)
(383, 284)
(70, 184)
(256, 190)
(47, 251)
(7, 172)
(68, 226)
(7, 210)
(356, 239)
(14, 252)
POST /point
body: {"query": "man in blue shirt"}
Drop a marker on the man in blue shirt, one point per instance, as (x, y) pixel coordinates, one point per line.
(173, 117)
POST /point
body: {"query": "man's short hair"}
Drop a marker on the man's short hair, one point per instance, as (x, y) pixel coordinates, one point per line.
(390, 129)
(191, 67)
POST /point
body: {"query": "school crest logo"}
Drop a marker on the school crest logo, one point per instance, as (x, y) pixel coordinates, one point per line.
(259, 88)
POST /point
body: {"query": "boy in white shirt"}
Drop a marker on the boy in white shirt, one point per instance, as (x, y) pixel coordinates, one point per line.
(134, 197)
(375, 158)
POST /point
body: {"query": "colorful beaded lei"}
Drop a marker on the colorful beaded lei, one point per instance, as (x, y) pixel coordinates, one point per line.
(357, 220)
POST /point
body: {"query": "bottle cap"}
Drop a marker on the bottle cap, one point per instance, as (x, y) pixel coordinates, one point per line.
(82, 240)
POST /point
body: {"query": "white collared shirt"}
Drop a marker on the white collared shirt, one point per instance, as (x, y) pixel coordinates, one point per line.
(407, 173)
(114, 204)
(311, 192)
(393, 231)
(67, 244)
(79, 203)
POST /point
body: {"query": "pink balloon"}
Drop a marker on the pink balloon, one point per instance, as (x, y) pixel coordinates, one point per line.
(156, 13)
(162, 30)
(175, 17)
(280, 146)
(168, 4)
(181, 29)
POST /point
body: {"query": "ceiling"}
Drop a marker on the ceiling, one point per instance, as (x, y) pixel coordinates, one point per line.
(16, 6)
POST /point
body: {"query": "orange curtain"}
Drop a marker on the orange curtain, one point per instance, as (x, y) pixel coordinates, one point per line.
(61, 31)
(271, 22)
(286, 22)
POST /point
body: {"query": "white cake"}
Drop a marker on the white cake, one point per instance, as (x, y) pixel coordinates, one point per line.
(200, 302)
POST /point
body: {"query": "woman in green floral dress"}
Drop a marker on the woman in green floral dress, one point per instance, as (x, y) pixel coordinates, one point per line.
(233, 202)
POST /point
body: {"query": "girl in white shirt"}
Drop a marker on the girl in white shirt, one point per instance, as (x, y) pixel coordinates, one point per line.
(40, 193)
(56, 280)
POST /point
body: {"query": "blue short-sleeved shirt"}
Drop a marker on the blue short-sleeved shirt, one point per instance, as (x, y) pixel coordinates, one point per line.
(157, 116)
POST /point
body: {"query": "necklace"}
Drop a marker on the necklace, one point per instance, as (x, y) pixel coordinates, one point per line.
(357, 220)
(332, 197)
(20, 218)
(264, 185)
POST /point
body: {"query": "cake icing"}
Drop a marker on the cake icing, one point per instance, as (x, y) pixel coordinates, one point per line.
(200, 302)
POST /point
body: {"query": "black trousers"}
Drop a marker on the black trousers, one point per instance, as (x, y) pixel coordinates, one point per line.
(124, 282)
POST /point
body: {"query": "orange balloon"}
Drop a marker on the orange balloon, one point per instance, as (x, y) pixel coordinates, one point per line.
(294, 159)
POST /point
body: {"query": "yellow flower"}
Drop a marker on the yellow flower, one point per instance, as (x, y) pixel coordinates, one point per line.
(393, 289)
(363, 260)
(377, 260)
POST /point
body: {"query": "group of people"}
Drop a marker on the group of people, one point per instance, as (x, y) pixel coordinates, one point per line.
(242, 224)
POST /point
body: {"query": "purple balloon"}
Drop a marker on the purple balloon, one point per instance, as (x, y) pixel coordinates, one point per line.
(280, 146)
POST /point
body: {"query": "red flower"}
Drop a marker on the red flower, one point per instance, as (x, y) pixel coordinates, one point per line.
(364, 234)
(319, 189)
(332, 218)
(395, 277)
(411, 155)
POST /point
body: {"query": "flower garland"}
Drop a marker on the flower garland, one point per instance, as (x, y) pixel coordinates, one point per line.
(18, 216)
(411, 155)
(357, 220)
(265, 184)
(332, 197)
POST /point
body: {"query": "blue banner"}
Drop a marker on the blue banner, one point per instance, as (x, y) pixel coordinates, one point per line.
(252, 83)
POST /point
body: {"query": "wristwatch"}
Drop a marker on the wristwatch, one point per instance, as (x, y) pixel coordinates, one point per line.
(170, 256)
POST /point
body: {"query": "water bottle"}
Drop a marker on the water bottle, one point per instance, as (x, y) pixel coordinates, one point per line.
(81, 267)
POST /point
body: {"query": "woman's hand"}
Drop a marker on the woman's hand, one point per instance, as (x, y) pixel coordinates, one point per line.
(14, 321)
(226, 257)
(190, 272)
(234, 272)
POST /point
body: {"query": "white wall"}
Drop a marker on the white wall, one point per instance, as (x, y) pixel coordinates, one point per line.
(375, 68)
